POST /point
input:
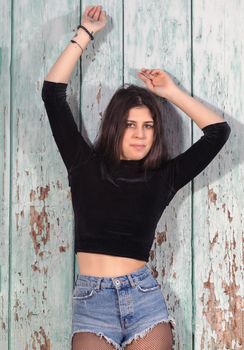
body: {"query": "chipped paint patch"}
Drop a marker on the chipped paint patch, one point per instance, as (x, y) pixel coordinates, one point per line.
(63, 248)
(226, 323)
(35, 267)
(212, 196)
(32, 195)
(43, 192)
(230, 218)
(223, 207)
(214, 240)
(161, 237)
(40, 228)
(151, 254)
(154, 272)
(98, 96)
(16, 308)
(40, 340)
(59, 185)
(163, 271)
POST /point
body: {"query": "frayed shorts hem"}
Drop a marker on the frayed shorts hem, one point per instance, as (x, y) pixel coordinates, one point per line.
(100, 334)
(147, 330)
(134, 337)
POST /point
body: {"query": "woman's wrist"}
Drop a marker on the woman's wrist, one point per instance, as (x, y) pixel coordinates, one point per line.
(172, 94)
(81, 30)
(88, 29)
(82, 38)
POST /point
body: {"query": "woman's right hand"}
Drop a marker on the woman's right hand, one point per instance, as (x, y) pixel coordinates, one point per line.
(94, 18)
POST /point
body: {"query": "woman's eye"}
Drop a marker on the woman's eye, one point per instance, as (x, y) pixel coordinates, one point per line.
(148, 126)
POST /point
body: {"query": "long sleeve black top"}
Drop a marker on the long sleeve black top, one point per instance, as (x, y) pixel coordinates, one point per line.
(120, 220)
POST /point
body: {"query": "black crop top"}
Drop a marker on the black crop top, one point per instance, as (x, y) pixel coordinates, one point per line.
(120, 220)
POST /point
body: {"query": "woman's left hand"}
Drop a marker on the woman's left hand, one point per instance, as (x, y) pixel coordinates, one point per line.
(157, 81)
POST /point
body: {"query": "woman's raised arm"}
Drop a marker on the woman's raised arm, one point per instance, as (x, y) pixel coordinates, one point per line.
(94, 19)
(71, 144)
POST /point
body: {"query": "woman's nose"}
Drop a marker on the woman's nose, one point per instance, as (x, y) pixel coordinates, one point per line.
(140, 132)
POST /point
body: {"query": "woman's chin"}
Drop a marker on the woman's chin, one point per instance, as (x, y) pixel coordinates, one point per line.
(133, 157)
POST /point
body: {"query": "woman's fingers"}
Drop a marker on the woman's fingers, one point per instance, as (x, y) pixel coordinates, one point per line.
(96, 12)
(89, 9)
(95, 16)
(151, 71)
(156, 72)
(146, 71)
(146, 75)
(146, 80)
(99, 14)
(92, 11)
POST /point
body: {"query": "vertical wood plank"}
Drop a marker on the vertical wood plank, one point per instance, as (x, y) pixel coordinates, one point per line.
(42, 217)
(5, 134)
(157, 35)
(102, 68)
(218, 197)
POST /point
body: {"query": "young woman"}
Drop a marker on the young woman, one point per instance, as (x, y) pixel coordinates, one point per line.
(120, 187)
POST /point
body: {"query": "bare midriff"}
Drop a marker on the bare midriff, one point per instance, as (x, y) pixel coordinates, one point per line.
(102, 265)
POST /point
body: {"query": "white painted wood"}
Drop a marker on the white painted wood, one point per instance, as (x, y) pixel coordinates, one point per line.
(41, 213)
(218, 44)
(5, 180)
(38, 214)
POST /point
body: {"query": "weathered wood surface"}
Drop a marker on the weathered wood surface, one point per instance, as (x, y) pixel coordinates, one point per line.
(197, 249)
(5, 149)
(218, 202)
(40, 269)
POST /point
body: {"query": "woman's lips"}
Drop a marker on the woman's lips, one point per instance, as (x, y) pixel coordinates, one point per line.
(138, 147)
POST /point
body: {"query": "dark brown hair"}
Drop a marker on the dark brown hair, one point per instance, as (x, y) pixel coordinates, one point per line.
(108, 142)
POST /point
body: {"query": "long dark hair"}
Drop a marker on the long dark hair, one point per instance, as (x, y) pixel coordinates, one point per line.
(108, 142)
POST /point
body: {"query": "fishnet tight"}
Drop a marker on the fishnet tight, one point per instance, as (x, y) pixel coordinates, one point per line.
(90, 341)
(158, 338)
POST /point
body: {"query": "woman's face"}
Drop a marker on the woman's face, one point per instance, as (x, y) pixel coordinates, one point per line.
(139, 130)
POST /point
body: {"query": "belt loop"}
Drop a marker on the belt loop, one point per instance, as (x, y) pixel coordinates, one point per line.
(132, 282)
(98, 285)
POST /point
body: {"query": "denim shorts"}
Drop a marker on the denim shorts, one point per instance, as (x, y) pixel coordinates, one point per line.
(121, 308)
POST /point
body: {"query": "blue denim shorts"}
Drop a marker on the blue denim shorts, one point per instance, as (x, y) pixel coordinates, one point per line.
(121, 308)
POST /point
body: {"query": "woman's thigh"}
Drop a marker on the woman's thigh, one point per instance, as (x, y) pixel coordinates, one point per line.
(158, 338)
(90, 341)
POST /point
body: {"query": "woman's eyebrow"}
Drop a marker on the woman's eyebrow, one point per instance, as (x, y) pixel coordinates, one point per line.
(130, 120)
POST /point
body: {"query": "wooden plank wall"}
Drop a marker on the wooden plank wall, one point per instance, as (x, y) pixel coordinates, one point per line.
(218, 203)
(196, 254)
(5, 188)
